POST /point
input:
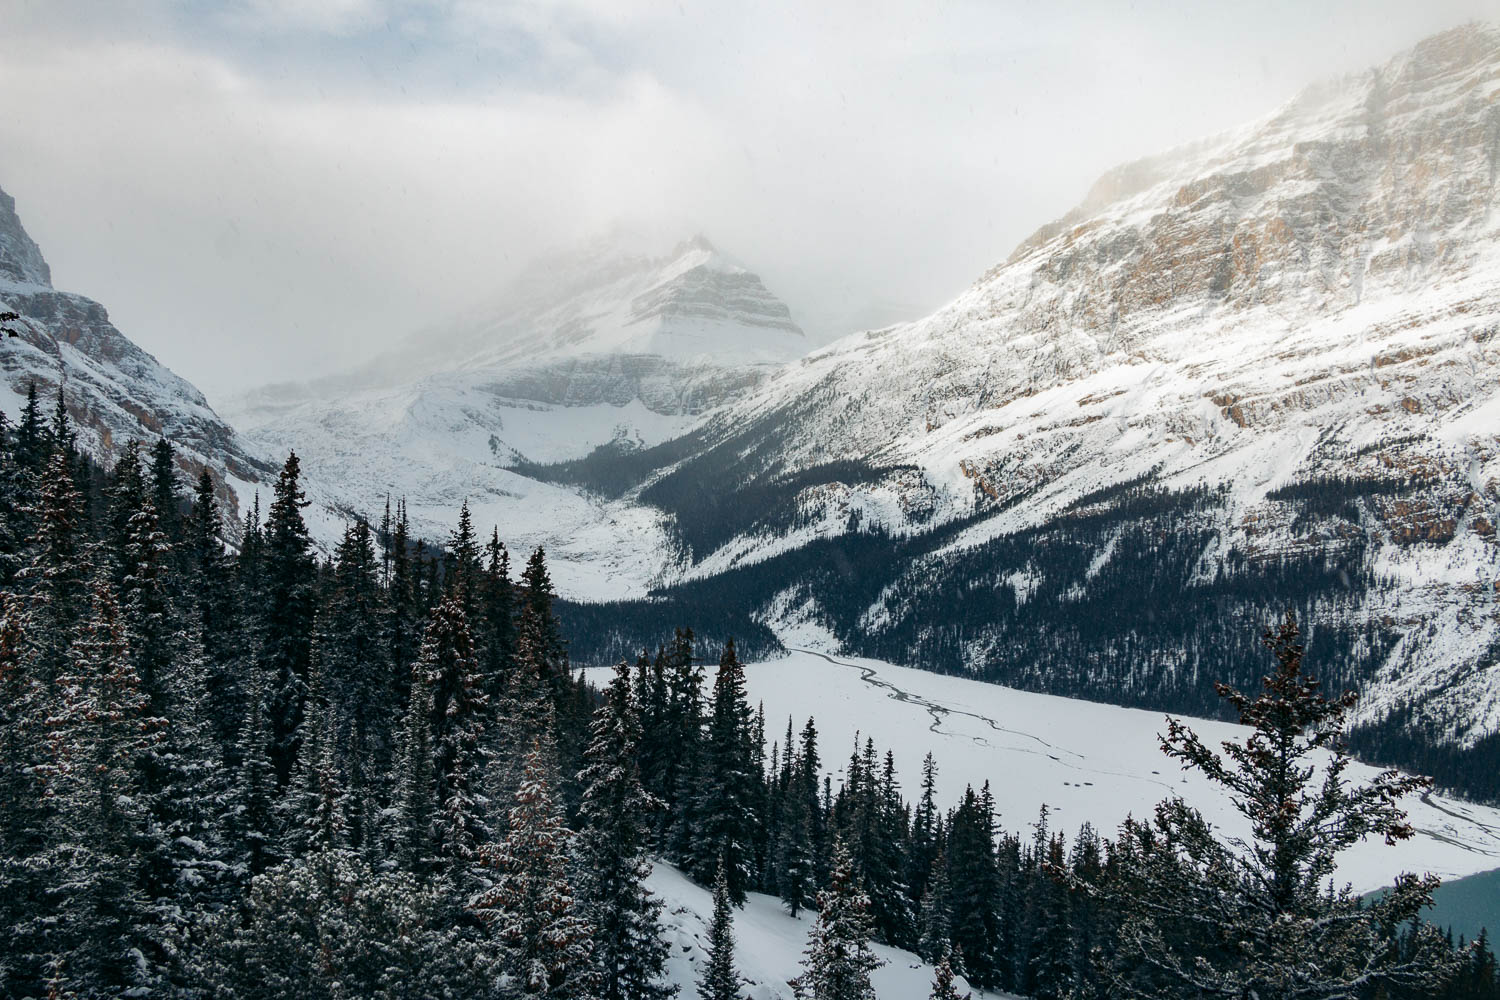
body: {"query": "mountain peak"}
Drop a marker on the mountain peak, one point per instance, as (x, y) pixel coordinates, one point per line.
(20, 258)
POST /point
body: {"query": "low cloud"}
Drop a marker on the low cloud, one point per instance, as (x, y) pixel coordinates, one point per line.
(271, 190)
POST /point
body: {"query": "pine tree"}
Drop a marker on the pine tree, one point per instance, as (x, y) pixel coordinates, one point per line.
(31, 445)
(626, 916)
(210, 588)
(56, 572)
(99, 730)
(838, 960)
(543, 943)
(936, 926)
(164, 491)
(289, 576)
(550, 651)
(719, 980)
(23, 813)
(497, 610)
(448, 667)
(794, 844)
(411, 830)
(723, 811)
(463, 565)
(943, 987)
(1202, 916)
(973, 892)
(352, 651)
(250, 822)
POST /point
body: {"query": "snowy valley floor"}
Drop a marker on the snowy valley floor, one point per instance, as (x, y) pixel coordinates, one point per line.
(1086, 761)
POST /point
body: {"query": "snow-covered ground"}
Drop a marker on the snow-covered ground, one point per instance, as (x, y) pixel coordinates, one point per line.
(1086, 761)
(768, 945)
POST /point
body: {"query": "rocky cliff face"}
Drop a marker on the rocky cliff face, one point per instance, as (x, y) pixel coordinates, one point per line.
(114, 390)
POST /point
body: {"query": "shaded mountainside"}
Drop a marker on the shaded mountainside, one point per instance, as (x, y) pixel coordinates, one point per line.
(1259, 372)
(115, 391)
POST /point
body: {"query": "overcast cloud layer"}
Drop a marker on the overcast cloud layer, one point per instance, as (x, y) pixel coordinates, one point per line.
(272, 189)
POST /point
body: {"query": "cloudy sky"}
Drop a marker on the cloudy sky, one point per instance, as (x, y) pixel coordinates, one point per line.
(269, 189)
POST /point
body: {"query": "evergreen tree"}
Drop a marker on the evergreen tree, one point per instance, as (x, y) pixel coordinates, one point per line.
(943, 987)
(626, 916)
(98, 732)
(719, 980)
(1202, 916)
(411, 828)
(838, 961)
(31, 442)
(448, 667)
(724, 816)
(497, 609)
(973, 892)
(352, 650)
(936, 938)
(543, 942)
(289, 578)
(23, 812)
(211, 593)
(250, 821)
(56, 572)
(794, 860)
(463, 564)
(164, 491)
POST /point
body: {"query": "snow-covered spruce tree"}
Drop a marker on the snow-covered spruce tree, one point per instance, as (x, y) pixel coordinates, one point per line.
(288, 574)
(794, 847)
(209, 585)
(943, 987)
(249, 821)
(720, 980)
(1262, 917)
(974, 891)
(838, 960)
(626, 916)
(497, 616)
(409, 829)
(96, 915)
(448, 667)
(540, 943)
(936, 930)
(23, 815)
(724, 817)
(352, 650)
(56, 574)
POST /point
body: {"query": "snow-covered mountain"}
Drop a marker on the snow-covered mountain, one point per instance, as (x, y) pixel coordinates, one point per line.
(607, 347)
(115, 391)
(1257, 372)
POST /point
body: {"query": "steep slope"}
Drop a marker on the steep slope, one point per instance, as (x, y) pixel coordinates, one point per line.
(114, 390)
(769, 945)
(608, 348)
(1257, 372)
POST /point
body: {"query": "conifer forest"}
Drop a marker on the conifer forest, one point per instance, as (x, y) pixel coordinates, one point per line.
(250, 772)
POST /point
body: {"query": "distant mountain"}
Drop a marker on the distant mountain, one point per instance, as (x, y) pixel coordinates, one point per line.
(608, 347)
(1259, 372)
(114, 390)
